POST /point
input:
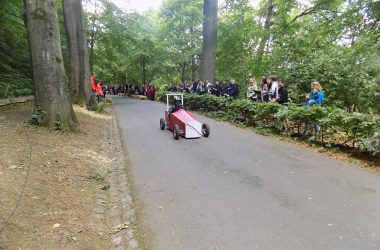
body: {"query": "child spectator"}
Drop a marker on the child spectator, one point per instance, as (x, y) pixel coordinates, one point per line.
(253, 91)
(316, 97)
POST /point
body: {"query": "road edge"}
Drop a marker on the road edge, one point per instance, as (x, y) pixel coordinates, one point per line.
(139, 235)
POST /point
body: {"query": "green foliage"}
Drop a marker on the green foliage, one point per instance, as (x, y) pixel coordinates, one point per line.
(335, 42)
(58, 123)
(340, 126)
(37, 116)
(15, 71)
(100, 107)
(372, 144)
(13, 85)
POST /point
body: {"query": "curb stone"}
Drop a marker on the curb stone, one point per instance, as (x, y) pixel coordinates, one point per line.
(15, 100)
(119, 200)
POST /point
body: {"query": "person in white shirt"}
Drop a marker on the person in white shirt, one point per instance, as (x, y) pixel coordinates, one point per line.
(273, 88)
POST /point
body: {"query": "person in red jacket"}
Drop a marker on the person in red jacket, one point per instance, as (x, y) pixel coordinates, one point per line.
(99, 91)
(93, 85)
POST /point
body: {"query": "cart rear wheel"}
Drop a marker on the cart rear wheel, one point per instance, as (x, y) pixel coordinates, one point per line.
(176, 132)
(162, 124)
(205, 130)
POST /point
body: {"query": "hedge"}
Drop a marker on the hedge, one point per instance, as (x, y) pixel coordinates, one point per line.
(339, 127)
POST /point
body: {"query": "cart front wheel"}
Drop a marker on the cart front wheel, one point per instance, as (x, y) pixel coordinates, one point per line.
(162, 124)
(205, 130)
(176, 132)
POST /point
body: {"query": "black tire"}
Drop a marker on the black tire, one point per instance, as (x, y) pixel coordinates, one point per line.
(176, 132)
(162, 124)
(205, 130)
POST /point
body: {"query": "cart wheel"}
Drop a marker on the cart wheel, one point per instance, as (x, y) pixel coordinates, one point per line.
(176, 132)
(162, 124)
(205, 130)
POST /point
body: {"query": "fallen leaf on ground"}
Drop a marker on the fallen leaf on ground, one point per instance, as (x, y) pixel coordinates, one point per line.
(118, 228)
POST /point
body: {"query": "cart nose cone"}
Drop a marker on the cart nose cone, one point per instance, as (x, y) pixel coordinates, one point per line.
(193, 129)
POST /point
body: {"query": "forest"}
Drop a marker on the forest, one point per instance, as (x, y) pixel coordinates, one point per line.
(333, 41)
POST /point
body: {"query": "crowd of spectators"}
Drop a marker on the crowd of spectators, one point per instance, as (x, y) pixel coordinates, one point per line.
(132, 89)
(100, 90)
(227, 88)
(270, 90)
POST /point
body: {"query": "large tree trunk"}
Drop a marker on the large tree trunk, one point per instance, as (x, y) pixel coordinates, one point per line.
(192, 63)
(193, 68)
(183, 68)
(51, 87)
(208, 60)
(266, 35)
(144, 69)
(92, 39)
(79, 79)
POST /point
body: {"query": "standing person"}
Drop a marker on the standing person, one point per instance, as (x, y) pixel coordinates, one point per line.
(234, 89)
(105, 90)
(283, 96)
(200, 87)
(316, 97)
(283, 99)
(93, 85)
(153, 91)
(194, 87)
(264, 89)
(99, 91)
(273, 88)
(209, 86)
(253, 90)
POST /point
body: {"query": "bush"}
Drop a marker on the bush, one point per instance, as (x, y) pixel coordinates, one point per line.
(58, 123)
(37, 116)
(100, 107)
(13, 85)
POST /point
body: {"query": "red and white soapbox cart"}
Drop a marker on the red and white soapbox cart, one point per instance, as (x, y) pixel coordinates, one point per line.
(180, 121)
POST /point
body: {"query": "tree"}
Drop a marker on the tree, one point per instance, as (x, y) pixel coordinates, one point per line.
(265, 37)
(79, 78)
(180, 32)
(208, 59)
(50, 84)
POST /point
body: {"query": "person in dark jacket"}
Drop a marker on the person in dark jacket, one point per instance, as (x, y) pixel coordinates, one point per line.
(283, 98)
(233, 90)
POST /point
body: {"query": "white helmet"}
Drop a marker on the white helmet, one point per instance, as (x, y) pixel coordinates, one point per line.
(177, 98)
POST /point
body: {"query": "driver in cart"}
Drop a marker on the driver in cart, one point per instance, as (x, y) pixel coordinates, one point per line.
(177, 105)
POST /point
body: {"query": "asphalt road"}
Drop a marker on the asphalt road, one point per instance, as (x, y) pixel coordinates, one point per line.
(240, 190)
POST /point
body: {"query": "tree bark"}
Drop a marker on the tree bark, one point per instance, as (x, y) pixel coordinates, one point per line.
(92, 40)
(192, 46)
(208, 59)
(79, 79)
(183, 68)
(144, 69)
(51, 87)
(193, 67)
(265, 37)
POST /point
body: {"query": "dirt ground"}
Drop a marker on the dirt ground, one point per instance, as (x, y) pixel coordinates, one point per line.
(64, 201)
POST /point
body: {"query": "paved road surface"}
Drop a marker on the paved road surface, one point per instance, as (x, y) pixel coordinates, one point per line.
(240, 190)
